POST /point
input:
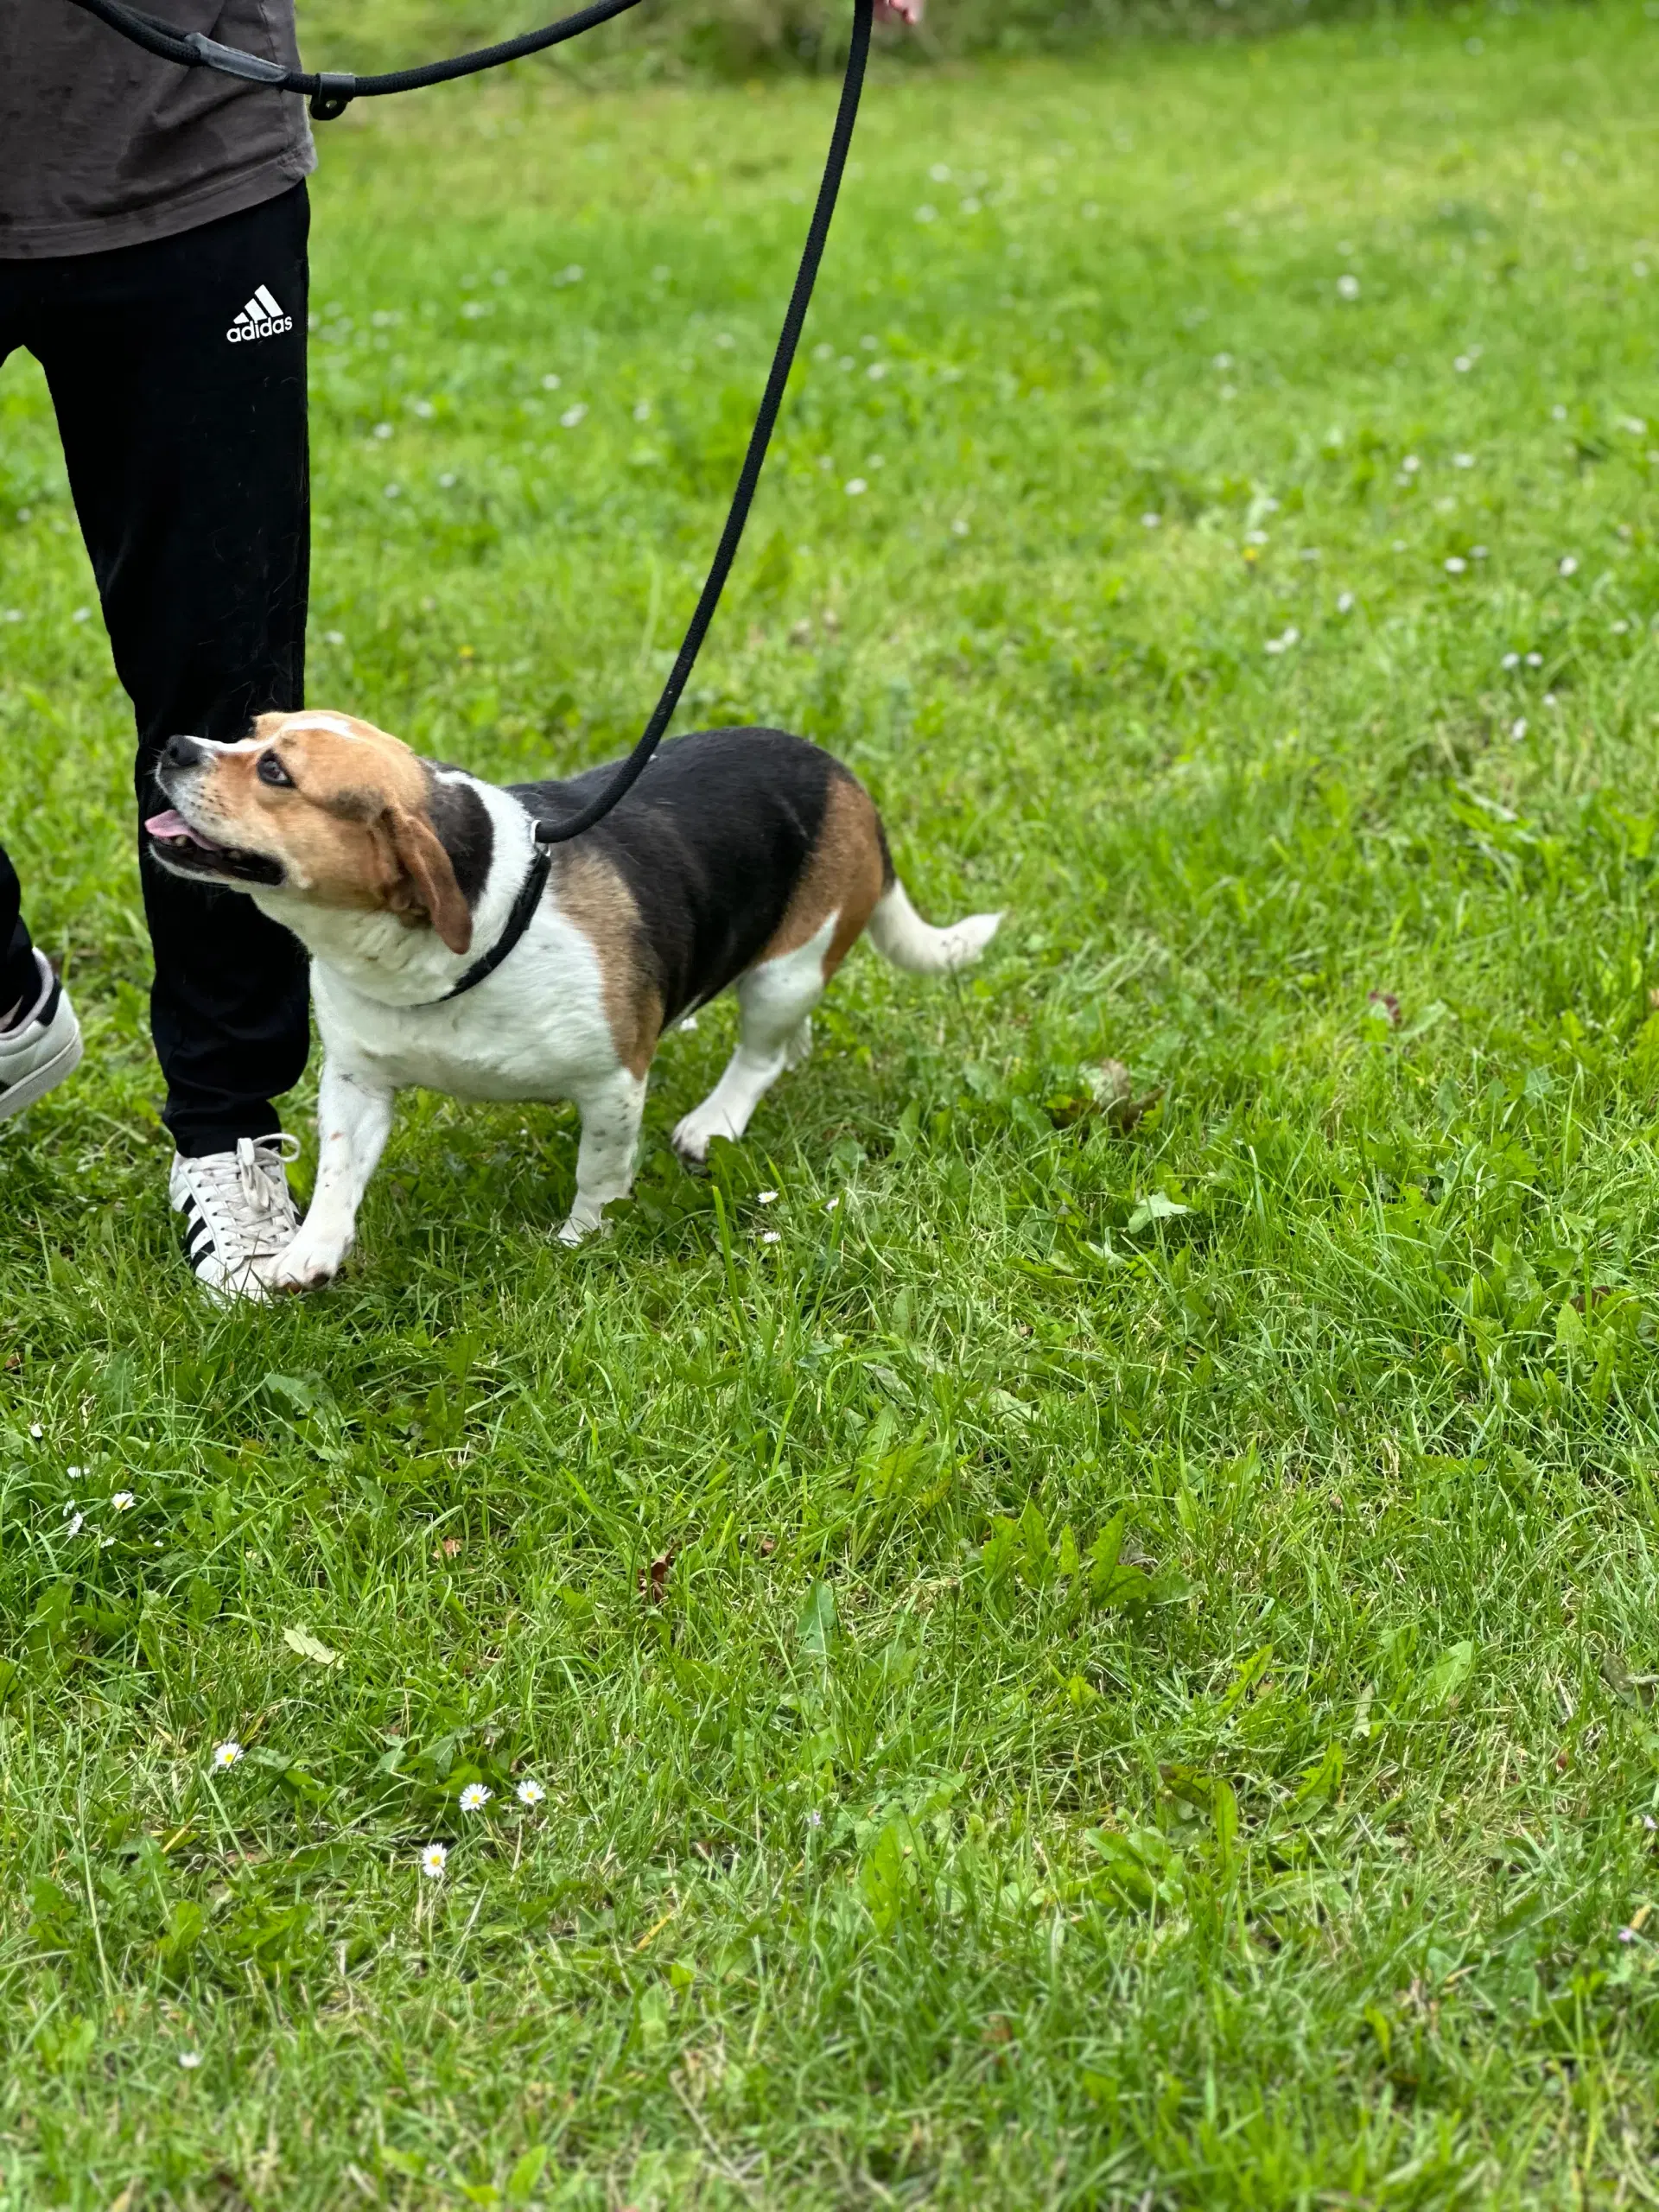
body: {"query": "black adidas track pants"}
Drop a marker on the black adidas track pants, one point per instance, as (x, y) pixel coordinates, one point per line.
(181, 401)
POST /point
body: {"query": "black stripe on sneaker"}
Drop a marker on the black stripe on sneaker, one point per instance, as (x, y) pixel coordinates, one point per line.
(198, 1235)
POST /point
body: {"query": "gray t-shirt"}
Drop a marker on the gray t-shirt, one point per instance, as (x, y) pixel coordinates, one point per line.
(102, 144)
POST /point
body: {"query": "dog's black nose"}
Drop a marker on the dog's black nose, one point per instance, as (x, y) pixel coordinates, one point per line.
(181, 753)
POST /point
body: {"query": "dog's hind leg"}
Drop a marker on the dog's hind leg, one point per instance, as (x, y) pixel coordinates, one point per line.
(775, 1003)
(354, 1121)
(611, 1113)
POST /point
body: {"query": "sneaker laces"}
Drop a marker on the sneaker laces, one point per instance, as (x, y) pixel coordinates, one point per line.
(249, 1186)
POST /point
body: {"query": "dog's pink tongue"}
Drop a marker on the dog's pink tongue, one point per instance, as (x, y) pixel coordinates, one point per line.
(170, 825)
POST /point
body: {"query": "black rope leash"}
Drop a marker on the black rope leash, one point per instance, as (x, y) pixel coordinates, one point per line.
(329, 92)
(748, 476)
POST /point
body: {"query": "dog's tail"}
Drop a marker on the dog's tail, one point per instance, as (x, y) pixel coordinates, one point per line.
(899, 934)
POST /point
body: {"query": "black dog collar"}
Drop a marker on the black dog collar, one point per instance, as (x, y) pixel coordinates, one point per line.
(523, 913)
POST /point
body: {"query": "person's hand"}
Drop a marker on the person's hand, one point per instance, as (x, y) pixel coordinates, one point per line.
(908, 12)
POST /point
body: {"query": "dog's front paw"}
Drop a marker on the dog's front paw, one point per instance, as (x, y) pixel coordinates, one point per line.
(692, 1137)
(306, 1265)
(581, 1226)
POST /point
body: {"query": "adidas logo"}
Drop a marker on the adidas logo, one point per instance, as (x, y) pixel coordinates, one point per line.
(261, 318)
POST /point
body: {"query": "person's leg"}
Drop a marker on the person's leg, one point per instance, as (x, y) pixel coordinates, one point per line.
(186, 442)
(39, 1038)
(17, 970)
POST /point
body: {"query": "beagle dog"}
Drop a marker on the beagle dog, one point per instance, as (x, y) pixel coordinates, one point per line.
(450, 950)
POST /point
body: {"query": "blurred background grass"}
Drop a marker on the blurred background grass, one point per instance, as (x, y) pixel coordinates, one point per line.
(690, 38)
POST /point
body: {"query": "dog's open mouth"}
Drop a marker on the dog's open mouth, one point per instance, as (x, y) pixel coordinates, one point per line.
(189, 850)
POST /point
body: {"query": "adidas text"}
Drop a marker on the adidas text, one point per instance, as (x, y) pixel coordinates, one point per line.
(261, 318)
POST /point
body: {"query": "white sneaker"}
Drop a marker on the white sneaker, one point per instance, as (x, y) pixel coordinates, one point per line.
(239, 1217)
(42, 1049)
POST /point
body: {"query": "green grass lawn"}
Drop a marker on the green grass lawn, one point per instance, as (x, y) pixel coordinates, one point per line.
(1112, 1662)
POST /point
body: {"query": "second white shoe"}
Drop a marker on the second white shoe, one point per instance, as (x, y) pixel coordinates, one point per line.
(40, 1048)
(239, 1215)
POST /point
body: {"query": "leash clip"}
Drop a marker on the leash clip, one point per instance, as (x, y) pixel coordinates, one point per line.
(335, 90)
(230, 61)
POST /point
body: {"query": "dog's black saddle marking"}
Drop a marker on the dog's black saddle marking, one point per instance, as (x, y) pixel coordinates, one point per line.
(711, 841)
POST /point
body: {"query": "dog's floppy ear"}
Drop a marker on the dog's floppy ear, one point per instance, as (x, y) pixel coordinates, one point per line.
(432, 873)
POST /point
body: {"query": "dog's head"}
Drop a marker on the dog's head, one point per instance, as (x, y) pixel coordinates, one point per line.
(329, 810)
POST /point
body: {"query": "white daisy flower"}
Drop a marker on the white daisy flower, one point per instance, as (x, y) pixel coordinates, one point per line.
(1463, 364)
(771, 1236)
(829, 1205)
(1347, 286)
(383, 430)
(1511, 660)
(123, 1501)
(1455, 565)
(549, 382)
(474, 1797)
(76, 1525)
(766, 1198)
(1518, 728)
(530, 1792)
(189, 2060)
(572, 415)
(1411, 464)
(1567, 565)
(434, 1860)
(1344, 602)
(36, 1431)
(1534, 660)
(1150, 522)
(1463, 460)
(226, 1754)
(855, 487)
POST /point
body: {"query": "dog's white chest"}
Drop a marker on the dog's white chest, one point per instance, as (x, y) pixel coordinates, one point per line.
(534, 1029)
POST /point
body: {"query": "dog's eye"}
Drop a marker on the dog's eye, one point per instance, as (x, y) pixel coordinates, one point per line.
(271, 770)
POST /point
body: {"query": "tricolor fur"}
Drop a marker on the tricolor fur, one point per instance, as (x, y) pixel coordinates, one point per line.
(743, 857)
